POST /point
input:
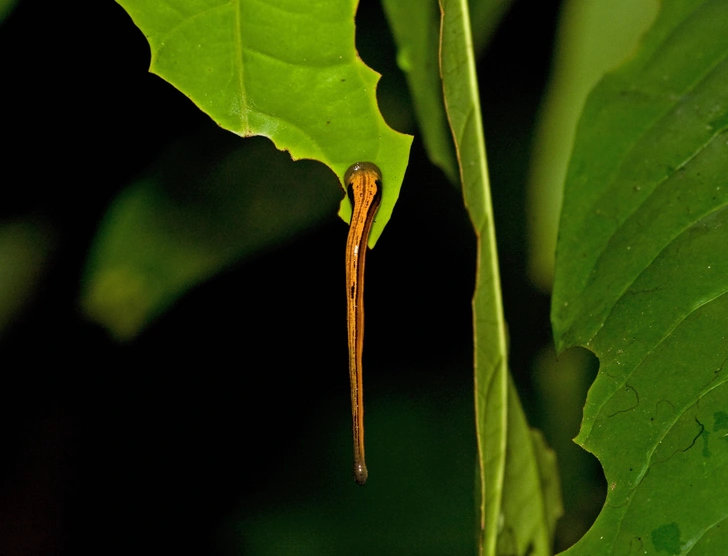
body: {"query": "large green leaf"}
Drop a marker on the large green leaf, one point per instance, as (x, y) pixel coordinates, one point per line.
(519, 502)
(284, 69)
(641, 280)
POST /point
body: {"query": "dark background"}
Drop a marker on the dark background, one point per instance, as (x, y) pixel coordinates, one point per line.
(224, 427)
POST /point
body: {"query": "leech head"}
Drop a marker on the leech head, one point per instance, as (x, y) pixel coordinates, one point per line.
(360, 472)
(362, 167)
(362, 173)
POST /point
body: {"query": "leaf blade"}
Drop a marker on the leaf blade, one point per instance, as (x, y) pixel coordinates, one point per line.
(284, 70)
(515, 516)
(641, 281)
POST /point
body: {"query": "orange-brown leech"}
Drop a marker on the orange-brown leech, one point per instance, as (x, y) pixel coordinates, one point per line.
(364, 185)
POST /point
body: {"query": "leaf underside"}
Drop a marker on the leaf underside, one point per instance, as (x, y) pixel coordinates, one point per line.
(284, 69)
(641, 279)
(520, 498)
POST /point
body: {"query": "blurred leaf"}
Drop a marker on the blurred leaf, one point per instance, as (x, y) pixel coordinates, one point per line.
(204, 211)
(517, 511)
(6, 6)
(532, 489)
(24, 249)
(416, 28)
(286, 70)
(593, 37)
(485, 15)
(561, 385)
(422, 507)
(549, 481)
(641, 279)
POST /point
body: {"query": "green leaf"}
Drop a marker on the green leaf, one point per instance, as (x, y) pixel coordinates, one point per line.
(641, 279)
(287, 70)
(532, 489)
(516, 517)
(201, 212)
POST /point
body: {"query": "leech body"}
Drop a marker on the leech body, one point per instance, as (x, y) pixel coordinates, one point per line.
(364, 185)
